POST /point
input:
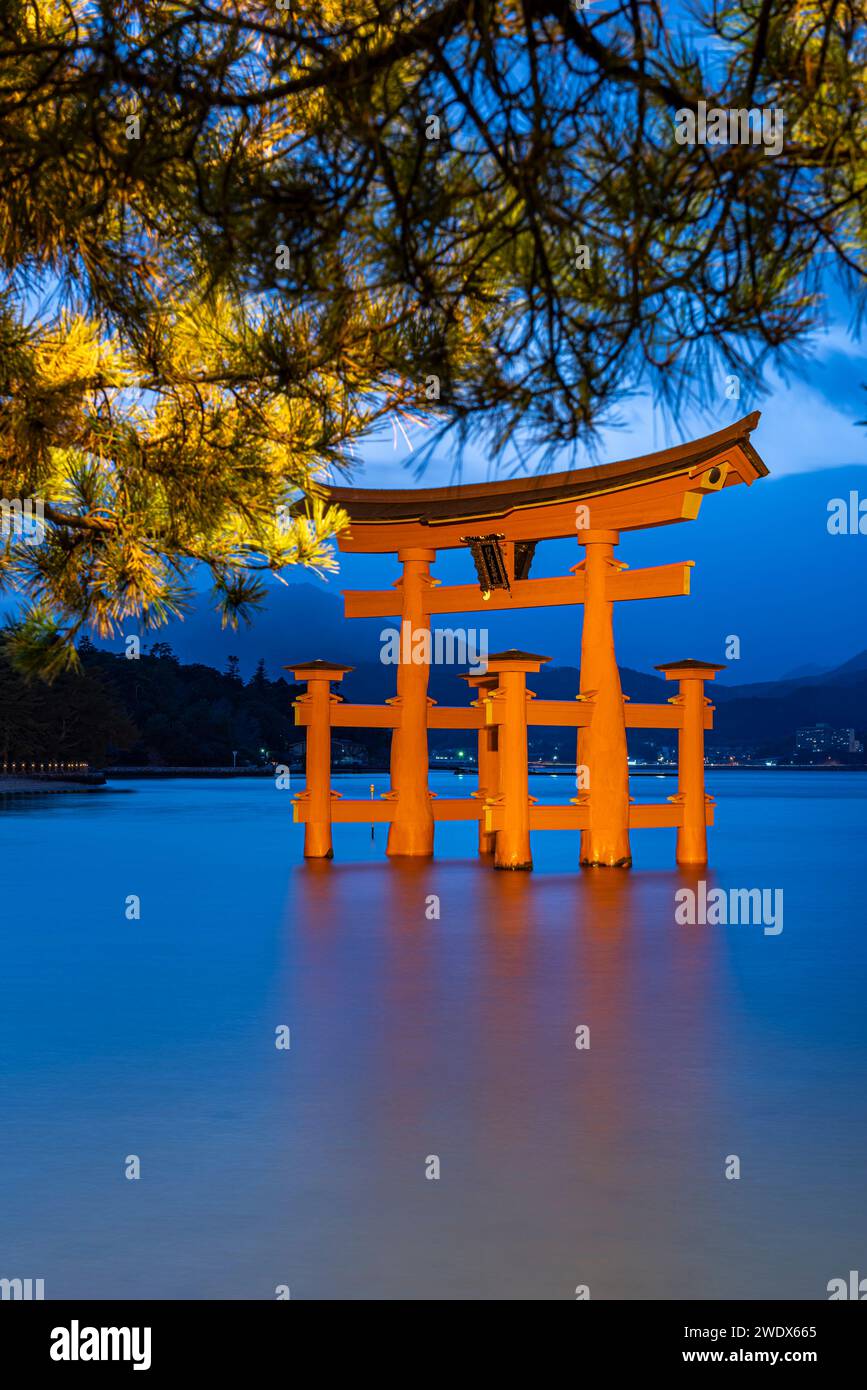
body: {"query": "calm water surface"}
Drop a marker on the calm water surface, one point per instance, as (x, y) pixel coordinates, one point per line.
(414, 1037)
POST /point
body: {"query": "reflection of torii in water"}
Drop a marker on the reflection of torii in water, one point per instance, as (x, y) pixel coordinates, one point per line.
(501, 523)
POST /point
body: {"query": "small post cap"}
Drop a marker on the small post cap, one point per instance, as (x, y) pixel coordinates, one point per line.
(690, 667)
(513, 660)
(330, 670)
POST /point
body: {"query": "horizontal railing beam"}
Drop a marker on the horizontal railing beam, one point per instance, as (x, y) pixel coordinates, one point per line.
(642, 815)
(455, 717)
(660, 716)
(569, 714)
(355, 812)
(559, 817)
(647, 816)
(350, 812)
(655, 581)
(456, 808)
(365, 716)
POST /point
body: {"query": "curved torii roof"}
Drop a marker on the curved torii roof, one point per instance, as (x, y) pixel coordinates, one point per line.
(652, 490)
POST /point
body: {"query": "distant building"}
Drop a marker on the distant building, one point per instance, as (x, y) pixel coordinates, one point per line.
(345, 752)
(822, 740)
(730, 753)
(453, 755)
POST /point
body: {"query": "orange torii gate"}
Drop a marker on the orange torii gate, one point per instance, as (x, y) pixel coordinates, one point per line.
(502, 523)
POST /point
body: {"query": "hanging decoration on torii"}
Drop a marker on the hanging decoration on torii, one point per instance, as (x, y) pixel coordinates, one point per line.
(501, 524)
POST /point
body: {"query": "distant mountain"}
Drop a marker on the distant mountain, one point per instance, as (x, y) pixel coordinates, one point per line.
(774, 715)
(372, 682)
(801, 671)
(855, 666)
(852, 673)
(302, 621)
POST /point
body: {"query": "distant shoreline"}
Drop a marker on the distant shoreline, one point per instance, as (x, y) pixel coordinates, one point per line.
(51, 786)
(45, 786)
(458, 769)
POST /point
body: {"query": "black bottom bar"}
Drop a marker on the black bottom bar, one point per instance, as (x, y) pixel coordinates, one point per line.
(164, 1339)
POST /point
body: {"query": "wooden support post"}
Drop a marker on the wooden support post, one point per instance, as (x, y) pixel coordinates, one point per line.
(489, 777)
(692, 831)
(602, 746)
(507, 709)
(315, 710)
(412, 830)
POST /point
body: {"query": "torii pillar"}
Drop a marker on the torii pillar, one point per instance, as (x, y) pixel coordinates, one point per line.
(507, 708)
(692, 832)
(487, 755)
(602, 745)
(315, 709)
(412, 831)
